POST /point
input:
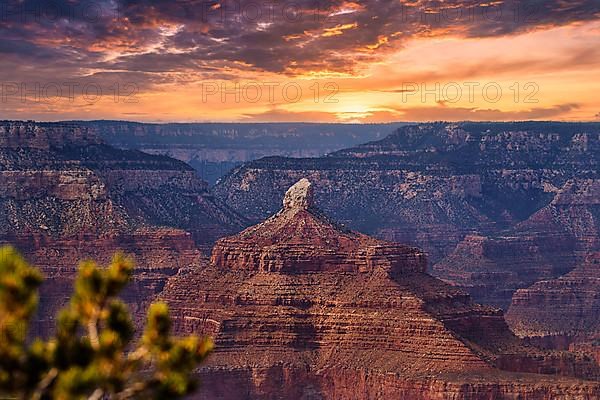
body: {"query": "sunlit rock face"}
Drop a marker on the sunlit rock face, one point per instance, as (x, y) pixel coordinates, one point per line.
(301, 307)
(300, 239)
(300, 196)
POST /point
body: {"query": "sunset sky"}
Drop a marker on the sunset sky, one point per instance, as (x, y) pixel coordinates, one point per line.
(301, 60)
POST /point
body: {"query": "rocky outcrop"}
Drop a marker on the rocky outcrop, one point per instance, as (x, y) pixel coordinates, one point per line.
(550, 243)
(496, 206)
(16, 135)
(62, 180)
(404, 206)
(323, 323)
(492, 268)
(66, 196)
(280, 244)
(563, 312)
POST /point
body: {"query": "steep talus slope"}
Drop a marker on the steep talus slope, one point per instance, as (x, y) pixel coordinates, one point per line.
(301, 307)
(65, 196)
(472, 195)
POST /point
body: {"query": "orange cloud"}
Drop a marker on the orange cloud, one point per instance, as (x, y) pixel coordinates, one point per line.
(369, 50)
(381, 40)
(338, 30)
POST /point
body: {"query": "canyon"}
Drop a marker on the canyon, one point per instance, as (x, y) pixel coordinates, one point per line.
(317, 299)
(215, 148)
(496, 206)
(562, 312)
(301, 307)
(67, 196)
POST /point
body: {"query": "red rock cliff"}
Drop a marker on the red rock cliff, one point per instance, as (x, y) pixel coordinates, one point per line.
(66, 196)
(563, 312)
(300, 239)
(298, 313)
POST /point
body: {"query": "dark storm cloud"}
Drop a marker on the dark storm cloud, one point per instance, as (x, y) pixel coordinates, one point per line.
(156, 36)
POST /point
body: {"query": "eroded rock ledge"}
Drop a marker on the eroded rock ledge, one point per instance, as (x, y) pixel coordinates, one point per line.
(301, 308)
(300, 239)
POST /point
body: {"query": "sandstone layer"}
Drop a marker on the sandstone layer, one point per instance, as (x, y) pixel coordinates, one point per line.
(66, 196)
(300, 239)
(297, 312)
(563, 312)
(550, 243)
(496, 206)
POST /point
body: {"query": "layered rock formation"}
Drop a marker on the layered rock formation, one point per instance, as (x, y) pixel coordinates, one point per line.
(302, 308)
(215, 148)
(496, 206)
(280, 244)
(61, 179)
(66, 196)
(159, 254)
(563, 312)
(550, 243)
